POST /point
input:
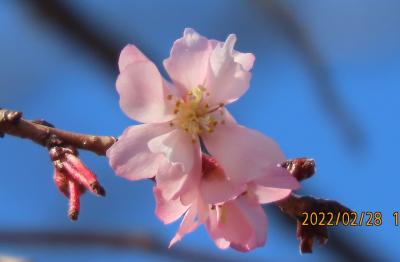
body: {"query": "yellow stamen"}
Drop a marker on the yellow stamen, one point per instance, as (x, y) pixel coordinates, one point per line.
(193, 114)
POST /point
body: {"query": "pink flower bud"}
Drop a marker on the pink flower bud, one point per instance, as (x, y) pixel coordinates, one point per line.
(73, 166)
(74, 199)
(61, 182)
(300, 168)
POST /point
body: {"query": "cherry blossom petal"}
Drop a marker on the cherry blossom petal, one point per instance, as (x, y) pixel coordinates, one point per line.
(223, 115)
(130, 156)
(267, 195)
(188, 224)
(129, 55)
(189, 192)
(144, 93)
(168, 210)
(276, 184)
(214, 231)
(178, 148)
(188, 62)
(170, 179)
(222, 243)
(278, 177)
(227, 79)
(243, 153)
(202, 210)
(256, 218)
(246, 60)
(228, 222)
(228, 117)
(215, 188)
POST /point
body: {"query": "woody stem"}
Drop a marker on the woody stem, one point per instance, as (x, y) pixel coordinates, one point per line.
(12, 123)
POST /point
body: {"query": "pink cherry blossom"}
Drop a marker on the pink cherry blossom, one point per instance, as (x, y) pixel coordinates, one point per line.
(206, 75)
(232, 215)
(224, 191)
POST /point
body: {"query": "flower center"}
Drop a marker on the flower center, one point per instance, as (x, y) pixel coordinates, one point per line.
(194, 115)
(211, 170)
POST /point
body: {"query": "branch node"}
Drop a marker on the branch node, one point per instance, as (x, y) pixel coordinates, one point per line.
(42, 122)
(301, 168)
(296, 206)
(11, 116)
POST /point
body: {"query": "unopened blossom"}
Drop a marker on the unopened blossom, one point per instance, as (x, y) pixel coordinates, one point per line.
(71, 189)
(72, 178)
(206, 76)
(65, 161)
(233, 216)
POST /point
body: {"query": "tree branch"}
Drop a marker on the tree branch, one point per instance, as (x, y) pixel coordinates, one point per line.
(12, 123)
(296, 206)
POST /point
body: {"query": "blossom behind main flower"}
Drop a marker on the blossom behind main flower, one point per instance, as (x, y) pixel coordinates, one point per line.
(232, 216)
(206, 75)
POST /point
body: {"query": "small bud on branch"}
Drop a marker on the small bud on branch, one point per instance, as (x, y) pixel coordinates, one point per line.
(295, 206)
(74, 199)
(61, 182)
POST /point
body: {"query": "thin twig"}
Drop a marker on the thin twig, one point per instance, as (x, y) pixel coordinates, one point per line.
(12, 123)
(298, 207)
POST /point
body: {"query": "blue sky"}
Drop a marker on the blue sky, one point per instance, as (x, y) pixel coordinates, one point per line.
(46, 74)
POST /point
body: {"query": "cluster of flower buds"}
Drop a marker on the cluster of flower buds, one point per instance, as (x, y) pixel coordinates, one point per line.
(73, 178)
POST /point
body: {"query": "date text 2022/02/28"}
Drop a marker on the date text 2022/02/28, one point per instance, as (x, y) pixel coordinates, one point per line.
(364, 218)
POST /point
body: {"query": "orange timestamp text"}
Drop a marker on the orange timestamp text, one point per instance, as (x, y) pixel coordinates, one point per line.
(365, 218)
